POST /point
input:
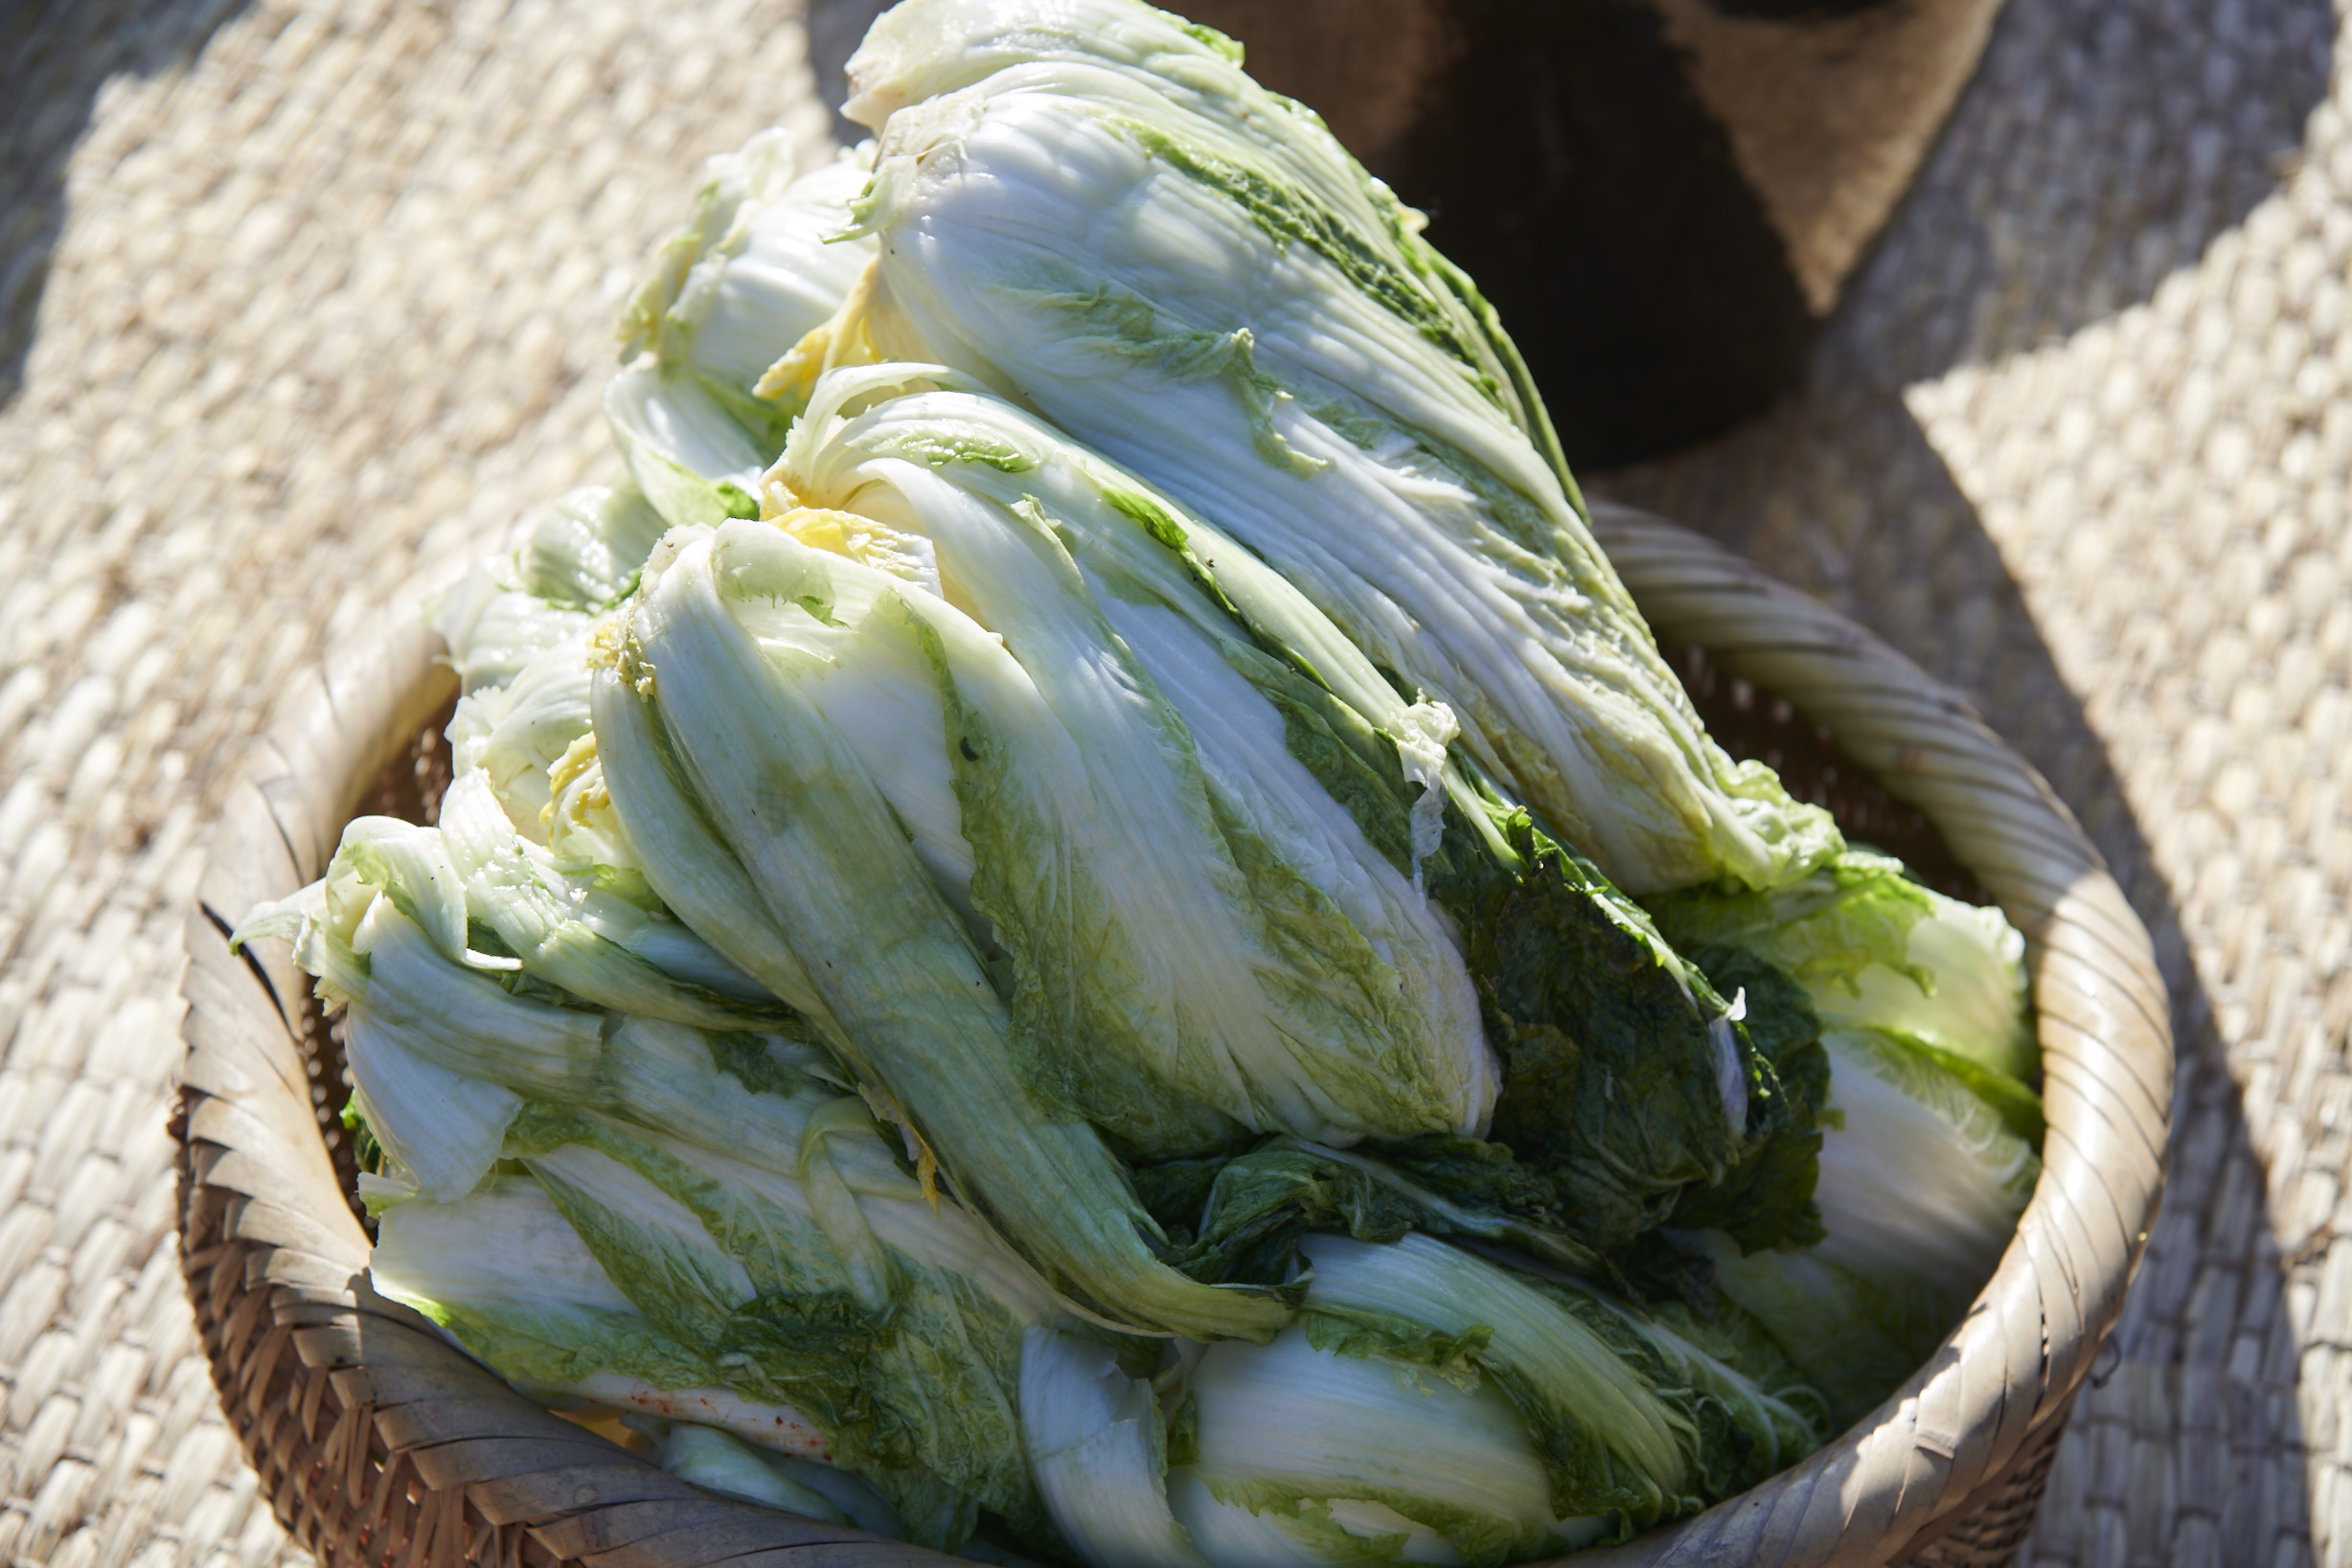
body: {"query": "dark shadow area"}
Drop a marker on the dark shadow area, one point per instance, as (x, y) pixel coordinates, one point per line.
(835, 28)
(1568, 163)
(55, 57)
(1797, 11)
(2101, 147)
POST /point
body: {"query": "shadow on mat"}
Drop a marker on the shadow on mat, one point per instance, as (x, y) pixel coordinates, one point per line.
(2101, 147)
(56, 55)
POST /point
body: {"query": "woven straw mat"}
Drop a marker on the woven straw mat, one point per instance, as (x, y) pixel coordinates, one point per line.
(298, 300)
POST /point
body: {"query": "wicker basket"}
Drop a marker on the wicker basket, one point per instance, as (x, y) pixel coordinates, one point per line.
(379, 1444)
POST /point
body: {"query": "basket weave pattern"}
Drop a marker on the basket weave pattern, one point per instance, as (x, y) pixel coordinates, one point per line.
(381, 1445)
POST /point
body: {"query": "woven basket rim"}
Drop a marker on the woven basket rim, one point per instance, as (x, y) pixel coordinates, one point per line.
(403, 1453)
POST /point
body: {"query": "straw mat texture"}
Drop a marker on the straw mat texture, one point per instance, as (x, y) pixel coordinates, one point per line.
(296, 297)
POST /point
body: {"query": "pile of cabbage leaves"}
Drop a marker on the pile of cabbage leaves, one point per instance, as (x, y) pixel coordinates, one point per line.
(1078, 922)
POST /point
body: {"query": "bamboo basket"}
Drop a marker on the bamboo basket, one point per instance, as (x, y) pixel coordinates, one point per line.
(381, 1446)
